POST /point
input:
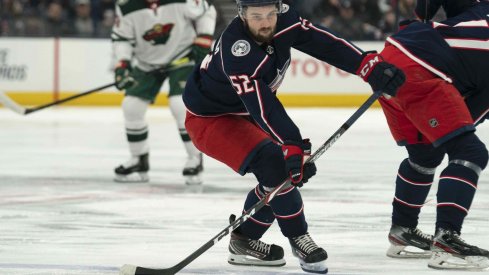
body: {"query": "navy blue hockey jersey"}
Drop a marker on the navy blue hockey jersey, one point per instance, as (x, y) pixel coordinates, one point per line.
(241, 77)
(456, 50)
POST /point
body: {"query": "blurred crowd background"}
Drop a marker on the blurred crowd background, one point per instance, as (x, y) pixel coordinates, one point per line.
(352, 19)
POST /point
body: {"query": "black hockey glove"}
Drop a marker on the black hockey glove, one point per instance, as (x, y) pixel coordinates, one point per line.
(123, 78)
(383, 77)
(294, 153)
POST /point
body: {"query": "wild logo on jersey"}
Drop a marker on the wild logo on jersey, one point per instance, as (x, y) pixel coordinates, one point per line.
(159, 34)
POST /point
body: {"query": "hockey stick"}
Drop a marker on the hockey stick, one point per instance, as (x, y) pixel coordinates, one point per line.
(14, 106)
(9, 103)
(137, 270)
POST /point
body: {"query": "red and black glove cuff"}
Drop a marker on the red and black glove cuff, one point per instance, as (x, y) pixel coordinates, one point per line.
(371, 59)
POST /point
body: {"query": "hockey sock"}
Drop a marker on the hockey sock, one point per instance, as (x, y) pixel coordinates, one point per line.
(412, 188)
(269, 168)
(191, 149)
(134, 110)
(458, 182)
(259, 223)
(178, 110)
(287, 207)
(289, 211)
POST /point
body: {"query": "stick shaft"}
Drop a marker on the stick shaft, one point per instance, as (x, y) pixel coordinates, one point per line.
(57, 102)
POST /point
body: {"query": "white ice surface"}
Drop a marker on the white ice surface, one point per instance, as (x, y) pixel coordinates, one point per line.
(61, 213)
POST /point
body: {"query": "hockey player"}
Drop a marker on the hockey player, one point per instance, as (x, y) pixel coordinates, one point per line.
(445, 63)
(149, 35)
(235, 117)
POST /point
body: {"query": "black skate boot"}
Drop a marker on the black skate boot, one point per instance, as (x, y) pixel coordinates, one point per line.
(245, 251)
(451, 252)
(193, 169)
(312, 258)
(135, 170)
(408, 242)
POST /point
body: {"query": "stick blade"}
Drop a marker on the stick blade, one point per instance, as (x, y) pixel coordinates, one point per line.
(12, 105)
(128, 269)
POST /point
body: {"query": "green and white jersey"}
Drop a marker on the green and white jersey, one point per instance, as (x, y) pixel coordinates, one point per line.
(156, 32)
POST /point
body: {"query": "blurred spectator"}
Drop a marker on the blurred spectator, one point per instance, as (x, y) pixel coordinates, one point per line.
(349, 24)
(354, 19)
(99, 7)
(307, 9)
(104, 29)
(19, 18)
(368, 10)
(55, 21)
(389, 24)
(11, 18)
(322, 12)
(406, 9)
(83, 24)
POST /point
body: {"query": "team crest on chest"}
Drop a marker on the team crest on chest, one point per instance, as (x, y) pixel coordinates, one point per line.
(241, 48)
(158, 34)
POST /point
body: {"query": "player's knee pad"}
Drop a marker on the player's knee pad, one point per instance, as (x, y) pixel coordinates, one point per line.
(134, 108)
(424, 157)
(268, 165)
(469, 151)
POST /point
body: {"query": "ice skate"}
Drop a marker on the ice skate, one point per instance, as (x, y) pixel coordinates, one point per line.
(451, 252)
(135, 170)
(245, 251)
(312, 258)
(193, 169)
(408, 242)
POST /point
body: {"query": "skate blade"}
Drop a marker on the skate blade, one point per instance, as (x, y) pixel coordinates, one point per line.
(251, 261)
(444, 260)
(193, 180)
(407, 252)
(318, 267)
(132, 178)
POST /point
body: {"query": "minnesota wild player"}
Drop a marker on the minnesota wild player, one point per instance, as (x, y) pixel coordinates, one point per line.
(148, 35)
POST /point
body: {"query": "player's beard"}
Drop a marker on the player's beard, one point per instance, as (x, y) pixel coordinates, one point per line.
(263, 35)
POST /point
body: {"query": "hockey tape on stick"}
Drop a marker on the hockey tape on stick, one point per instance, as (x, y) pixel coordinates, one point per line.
(12, 105)
(138, 270)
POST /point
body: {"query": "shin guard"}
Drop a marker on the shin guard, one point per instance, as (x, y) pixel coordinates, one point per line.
(269, 168)
(134, 110)
(258, 224)
(458, 182)
(289, 211)
(412, 187)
